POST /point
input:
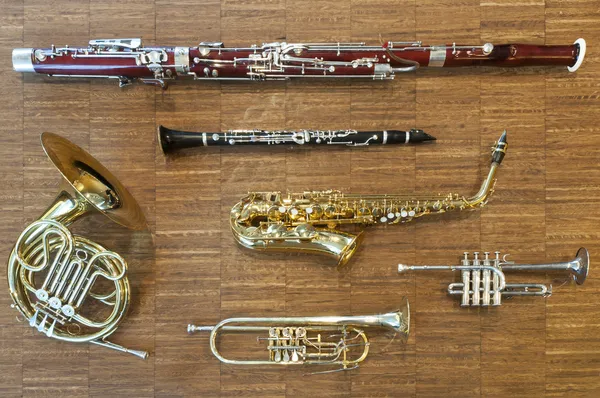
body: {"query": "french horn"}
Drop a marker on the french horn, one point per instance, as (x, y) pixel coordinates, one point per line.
(54, 275)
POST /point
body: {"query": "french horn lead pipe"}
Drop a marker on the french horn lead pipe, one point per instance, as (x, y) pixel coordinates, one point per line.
(171, 140)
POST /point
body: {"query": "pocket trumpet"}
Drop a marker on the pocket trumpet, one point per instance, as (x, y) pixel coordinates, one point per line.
(484, 283)
(299, 340)
(53, 274)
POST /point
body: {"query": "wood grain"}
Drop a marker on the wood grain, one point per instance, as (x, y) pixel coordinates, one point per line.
(186, 267)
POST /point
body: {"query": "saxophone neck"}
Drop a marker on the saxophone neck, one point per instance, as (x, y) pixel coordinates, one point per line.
(487, 187)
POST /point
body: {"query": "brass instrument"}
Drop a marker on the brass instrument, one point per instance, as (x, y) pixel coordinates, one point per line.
(53, 274)
(309, 221)
(484, 283)
(299, 340)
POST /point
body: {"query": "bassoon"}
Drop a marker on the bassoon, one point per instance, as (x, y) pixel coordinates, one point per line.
(127, 60)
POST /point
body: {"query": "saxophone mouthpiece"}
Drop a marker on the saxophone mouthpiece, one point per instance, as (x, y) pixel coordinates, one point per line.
(500, 149)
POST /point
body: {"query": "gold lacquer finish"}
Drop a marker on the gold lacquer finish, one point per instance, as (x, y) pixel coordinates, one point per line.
(321, 340)
(53, 274)
(311, 221)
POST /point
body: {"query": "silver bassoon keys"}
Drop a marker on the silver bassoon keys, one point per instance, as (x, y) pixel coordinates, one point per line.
(127, 60)
(484, 282)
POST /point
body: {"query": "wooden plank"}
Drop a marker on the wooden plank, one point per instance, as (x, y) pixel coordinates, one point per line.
(187, 268)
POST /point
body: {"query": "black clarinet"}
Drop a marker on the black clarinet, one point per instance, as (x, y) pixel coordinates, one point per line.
(171, 140)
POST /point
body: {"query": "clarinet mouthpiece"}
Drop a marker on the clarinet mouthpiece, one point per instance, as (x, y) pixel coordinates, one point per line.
(417, 135)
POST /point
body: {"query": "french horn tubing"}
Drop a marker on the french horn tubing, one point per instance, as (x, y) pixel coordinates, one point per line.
(53, 275)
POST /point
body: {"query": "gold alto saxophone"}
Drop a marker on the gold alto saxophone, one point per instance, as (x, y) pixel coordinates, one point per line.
(310, 221)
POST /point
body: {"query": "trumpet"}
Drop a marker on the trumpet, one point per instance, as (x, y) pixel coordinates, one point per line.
(309, 221)
(52, 273)
(484, 283)
(300, 340)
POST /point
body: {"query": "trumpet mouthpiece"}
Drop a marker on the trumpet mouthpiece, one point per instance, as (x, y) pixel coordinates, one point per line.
(403, 268)
(191, 328)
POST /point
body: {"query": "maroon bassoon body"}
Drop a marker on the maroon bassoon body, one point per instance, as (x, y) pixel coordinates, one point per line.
(128, 60)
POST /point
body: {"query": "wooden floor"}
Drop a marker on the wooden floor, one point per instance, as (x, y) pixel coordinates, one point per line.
(188, 269)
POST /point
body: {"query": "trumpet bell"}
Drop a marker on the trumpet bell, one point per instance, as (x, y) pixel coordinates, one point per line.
(404, 328)
(92, 183)
(580, 271)
(399, 320)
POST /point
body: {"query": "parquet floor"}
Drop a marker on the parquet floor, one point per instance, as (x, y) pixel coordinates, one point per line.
(187, 268)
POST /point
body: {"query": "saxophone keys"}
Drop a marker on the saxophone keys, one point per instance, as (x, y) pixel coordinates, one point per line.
(314, 212)
(295, 213)
(275, 213)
